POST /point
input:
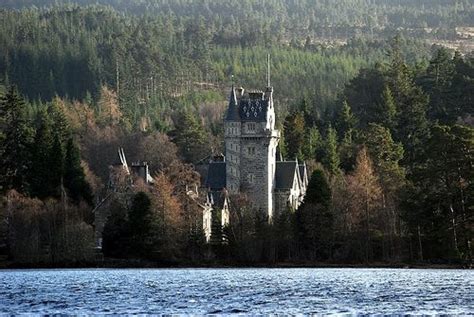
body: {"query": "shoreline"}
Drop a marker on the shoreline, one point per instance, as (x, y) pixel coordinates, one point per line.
(143, 264)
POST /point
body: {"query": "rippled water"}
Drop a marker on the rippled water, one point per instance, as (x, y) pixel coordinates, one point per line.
(224, 291)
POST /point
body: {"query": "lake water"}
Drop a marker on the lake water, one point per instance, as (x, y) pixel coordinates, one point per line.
(238, 291)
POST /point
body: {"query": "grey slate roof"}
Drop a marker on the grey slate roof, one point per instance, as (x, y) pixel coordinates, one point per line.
(232, 112)
(253, 109)
(216, 176)
(285, 174)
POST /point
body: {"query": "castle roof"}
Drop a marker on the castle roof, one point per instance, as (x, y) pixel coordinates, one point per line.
(252, 106)
(232, 112)
(285, 174)
(216, 176)
(253, 109)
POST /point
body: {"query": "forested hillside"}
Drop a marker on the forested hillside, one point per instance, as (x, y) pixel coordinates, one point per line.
(382, 116)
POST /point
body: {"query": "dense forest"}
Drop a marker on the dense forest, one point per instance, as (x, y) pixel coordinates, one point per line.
(381, 115)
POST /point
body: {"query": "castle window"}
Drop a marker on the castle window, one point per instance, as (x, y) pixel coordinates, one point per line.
(251, 178)
(251, 150)
(251, 126)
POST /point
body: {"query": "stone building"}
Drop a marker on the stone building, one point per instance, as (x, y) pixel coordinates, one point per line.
(251, 165)
(121, 179)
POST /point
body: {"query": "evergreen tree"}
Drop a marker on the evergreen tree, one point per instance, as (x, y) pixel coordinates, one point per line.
(60, 124)
(294, 129)
(314, 218)
(311, 143)
(386, 155)
(330, 157)
(412, 127)
(387, 113)
(345, 121)
(140, 223)
(41, 150)
(116, 233)
(55, 164)
(16, 141)
(190, 137)
(74, 177)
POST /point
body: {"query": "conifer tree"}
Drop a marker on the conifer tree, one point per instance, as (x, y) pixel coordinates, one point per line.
(56, 167)
(386, 155)
(74, 177)
(330, 157)
(41, 150)
(60, 124)
(388, 109)
(412, 124)
(314, 218)
(294, 127)
(311, 143)
(345, 121)
(190, 137)
(16, 141)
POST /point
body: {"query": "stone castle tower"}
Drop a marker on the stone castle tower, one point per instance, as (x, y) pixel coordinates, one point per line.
(251, 142)
(251, 165)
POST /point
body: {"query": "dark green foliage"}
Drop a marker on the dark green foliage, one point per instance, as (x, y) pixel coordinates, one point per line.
(40, 176)
(445, 78)
(55, 165)
(441, 203)
(116, 232)
(285, 235)
(190, 137)
(364, 95)
(16, 137)
(345, 121)
(330, 157)
(294, 130)
(139, 213)
(74, 178)
(315, 220)
(386, 155)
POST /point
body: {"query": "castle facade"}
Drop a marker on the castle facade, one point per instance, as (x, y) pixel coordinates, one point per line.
(251, 164)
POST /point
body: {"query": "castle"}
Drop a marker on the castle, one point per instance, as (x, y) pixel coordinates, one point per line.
(251, 164)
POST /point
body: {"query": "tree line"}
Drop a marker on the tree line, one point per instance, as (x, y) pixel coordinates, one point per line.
(386, 127)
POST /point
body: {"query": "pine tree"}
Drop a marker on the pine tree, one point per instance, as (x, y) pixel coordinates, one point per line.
(74, 177)
(294, 129)
(16, 142)
(55, 164)
(190, 137)
(345, 121)
(314, 218)
(412, 124)
(386, 155)
(60, 124)
(40, 174)
(330, 157)
(311, 143)
(388, 109)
